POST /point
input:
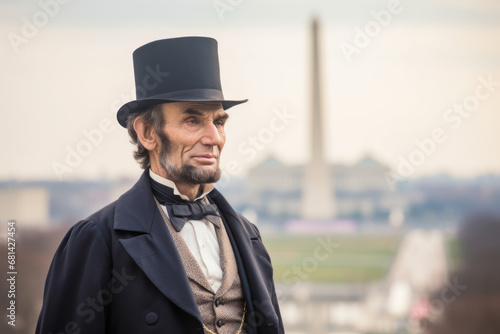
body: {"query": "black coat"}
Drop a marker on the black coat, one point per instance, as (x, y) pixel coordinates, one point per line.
(118, 271)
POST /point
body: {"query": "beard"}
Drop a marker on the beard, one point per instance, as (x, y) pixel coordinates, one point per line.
(185, 173)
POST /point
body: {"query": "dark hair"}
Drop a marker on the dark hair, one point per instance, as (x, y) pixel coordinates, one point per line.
(152, 116)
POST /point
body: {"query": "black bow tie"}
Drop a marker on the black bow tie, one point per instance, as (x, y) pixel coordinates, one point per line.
(180, 210)
(179, 214)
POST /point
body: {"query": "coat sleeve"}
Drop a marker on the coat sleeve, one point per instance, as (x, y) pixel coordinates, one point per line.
(77, 289)
(269, 299)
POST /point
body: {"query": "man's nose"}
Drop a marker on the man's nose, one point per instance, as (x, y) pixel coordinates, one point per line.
(211, 135)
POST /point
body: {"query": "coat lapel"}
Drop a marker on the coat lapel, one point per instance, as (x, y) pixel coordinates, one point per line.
(153, 249)
(191, 266)
(240, 242)
(255, 280)
(227, 260)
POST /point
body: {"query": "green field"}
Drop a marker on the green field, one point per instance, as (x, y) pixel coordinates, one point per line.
(357, 259)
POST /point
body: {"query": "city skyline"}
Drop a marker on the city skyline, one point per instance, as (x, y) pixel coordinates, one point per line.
(394, 76)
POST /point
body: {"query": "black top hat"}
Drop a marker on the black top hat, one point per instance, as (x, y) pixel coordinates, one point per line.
(176, 70)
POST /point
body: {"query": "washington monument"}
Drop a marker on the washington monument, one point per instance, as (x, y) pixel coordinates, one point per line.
(318, 200)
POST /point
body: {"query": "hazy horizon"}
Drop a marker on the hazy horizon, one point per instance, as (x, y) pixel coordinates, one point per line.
(386, 94)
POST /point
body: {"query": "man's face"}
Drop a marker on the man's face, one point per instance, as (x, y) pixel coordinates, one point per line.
(192, 141)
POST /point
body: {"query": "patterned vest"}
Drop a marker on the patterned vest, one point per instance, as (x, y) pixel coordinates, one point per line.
(221, 312)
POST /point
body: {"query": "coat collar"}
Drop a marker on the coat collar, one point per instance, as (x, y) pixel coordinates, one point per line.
(153, 249)
(155, 253)
(135, 210)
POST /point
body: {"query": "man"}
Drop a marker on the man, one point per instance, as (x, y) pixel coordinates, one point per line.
(170, 255)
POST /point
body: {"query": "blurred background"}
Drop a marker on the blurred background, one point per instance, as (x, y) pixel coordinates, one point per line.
(371, 131)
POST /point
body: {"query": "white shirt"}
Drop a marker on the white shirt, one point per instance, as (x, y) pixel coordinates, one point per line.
(199, 236)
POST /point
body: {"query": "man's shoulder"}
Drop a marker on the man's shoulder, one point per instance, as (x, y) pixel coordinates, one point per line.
(244, 220)
(101, 220)
(89, 232)
(104, 215)
(223, 204)
(249, 226)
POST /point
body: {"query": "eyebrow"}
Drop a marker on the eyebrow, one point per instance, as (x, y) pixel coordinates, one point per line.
(224, 116)
(191, 111)
(195, 112)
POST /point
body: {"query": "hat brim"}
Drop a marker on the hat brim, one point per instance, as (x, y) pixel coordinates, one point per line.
(135, 105)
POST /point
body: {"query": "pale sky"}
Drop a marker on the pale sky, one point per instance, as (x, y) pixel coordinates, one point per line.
(72, 68)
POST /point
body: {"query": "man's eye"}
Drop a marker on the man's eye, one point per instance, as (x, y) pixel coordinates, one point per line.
(219, 123)
(192, 121)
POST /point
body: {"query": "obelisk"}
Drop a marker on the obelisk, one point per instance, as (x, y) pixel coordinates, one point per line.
(318, 201)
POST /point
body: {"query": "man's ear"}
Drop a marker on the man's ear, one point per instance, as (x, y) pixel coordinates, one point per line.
(146, 134)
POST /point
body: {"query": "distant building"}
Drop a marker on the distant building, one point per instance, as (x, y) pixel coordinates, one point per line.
(43, 203)
(28, 206)
(361, 191)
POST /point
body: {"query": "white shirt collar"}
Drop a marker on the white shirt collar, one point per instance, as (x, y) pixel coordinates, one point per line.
(207, 187)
